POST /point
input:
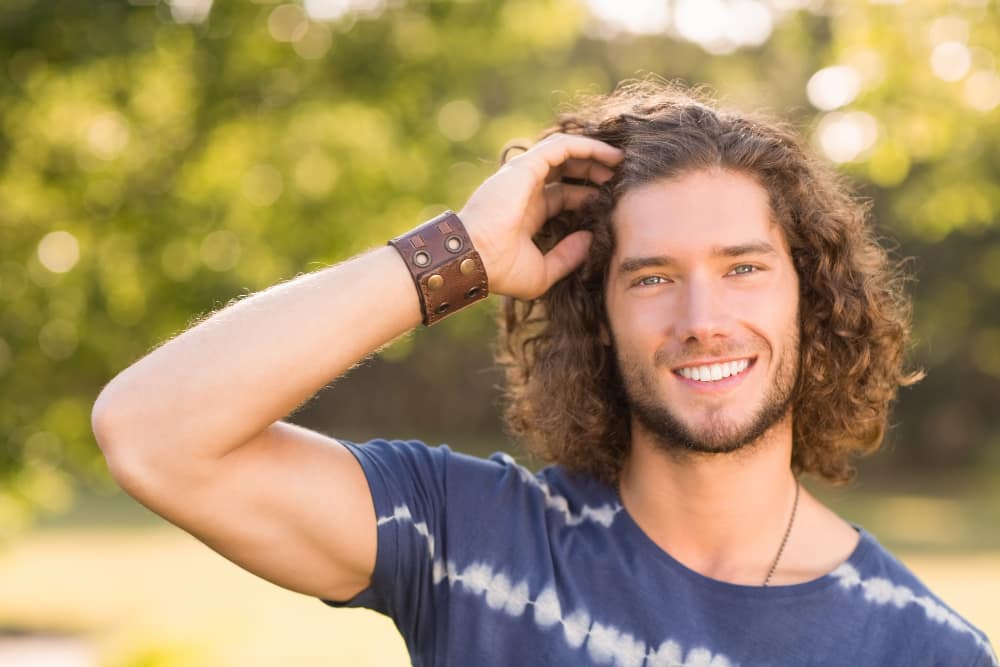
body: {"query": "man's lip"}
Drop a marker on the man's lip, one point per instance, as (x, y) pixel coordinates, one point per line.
(693, 364)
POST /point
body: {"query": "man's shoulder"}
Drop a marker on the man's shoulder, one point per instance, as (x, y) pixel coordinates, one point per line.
(908, 611)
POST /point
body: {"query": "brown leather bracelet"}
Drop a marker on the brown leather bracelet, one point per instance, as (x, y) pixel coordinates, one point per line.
(445, 267)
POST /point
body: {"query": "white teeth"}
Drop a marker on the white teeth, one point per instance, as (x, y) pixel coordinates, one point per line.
(714, 372)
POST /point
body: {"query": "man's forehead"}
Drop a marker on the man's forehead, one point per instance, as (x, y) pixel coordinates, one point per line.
(707, 211)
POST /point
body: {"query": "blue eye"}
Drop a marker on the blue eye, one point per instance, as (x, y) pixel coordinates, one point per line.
(651, 280)
(744, 269)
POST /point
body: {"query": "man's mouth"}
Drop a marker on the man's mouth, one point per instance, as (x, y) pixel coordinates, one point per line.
(715, 372)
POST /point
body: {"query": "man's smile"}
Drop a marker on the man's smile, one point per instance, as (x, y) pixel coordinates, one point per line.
(714, 373)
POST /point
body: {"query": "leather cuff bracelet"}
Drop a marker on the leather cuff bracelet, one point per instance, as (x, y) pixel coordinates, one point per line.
(447, 270)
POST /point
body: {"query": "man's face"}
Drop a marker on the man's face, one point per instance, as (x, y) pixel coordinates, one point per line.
(702, 300)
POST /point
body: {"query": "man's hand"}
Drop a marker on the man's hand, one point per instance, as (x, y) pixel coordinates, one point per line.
(506, 211)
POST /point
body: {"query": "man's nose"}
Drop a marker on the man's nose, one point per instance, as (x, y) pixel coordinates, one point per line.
(703, 313)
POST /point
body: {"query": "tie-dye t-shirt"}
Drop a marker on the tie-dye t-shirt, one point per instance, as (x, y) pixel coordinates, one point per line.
(482, 562)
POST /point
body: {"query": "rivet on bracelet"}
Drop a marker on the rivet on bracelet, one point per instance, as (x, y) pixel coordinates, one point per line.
(472, 293)
(442, 308)
(467, 266)
(435, 281)
(421, 258)
(453, 244)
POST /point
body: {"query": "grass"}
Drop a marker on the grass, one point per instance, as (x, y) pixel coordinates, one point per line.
(145, 594)
(156, 597)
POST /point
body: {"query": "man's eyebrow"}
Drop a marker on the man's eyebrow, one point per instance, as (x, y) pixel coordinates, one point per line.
(751, 248)
(632, 264)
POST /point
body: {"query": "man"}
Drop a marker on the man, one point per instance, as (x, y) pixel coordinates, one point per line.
(698, 313)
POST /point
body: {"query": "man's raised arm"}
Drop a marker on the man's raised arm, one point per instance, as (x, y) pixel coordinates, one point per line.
(192, 430)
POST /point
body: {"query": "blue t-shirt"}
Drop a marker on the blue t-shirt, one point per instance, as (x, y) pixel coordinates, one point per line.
(481, 562)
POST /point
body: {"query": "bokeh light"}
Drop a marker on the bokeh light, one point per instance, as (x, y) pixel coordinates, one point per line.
(982, 91)
(833, 87)
(58, 251)
(459, 120)
(950, 61)
(721, 26)
(315, 43)
(287, 23)
(332, 10)
(638, 16)
(108, 135)
(190, 11)
(844, 137)
(718, 26)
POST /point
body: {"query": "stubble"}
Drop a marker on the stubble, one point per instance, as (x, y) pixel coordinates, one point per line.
(718, 434)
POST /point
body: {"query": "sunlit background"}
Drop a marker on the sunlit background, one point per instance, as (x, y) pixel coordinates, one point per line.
(158, 159)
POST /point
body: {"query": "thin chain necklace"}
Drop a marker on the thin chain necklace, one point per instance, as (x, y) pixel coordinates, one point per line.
(784, 540)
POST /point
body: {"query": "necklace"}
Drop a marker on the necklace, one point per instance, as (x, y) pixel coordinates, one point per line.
(784, 540)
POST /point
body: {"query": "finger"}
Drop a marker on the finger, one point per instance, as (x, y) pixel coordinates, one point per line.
(550, 154)
(563, 196)
(587, 170)
(544, 161)
(558, 148)
(568, 254)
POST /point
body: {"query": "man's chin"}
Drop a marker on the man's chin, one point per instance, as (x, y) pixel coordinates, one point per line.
(706, 443)
(713, 446)
(718, 436)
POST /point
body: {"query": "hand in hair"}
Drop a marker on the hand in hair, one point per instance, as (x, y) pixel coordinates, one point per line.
(505, 211)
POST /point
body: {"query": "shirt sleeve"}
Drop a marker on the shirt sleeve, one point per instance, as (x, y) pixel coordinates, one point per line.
(407, 484)
(988, 658)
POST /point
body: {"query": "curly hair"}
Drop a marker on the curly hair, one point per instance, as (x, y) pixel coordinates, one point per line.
(564, 396)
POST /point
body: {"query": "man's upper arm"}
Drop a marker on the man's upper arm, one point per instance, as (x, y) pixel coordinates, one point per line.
(291, 505)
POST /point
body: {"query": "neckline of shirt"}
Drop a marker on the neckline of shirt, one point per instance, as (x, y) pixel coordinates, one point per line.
(864, 547)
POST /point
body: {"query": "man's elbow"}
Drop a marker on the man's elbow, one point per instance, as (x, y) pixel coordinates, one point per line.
(107, 421)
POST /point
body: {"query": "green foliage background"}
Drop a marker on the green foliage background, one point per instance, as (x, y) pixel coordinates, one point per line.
(194, 162)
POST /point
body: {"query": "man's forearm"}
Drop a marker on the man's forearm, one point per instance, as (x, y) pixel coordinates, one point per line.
(212, 388)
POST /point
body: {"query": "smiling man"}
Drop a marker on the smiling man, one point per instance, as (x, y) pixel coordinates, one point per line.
(697, 314)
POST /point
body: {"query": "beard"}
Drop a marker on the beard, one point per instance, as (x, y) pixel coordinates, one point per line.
(718, 435)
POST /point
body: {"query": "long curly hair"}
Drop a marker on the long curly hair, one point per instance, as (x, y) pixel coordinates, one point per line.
(564, 397)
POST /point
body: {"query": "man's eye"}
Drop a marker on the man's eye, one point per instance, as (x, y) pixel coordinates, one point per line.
(744, 269)
(651, 280)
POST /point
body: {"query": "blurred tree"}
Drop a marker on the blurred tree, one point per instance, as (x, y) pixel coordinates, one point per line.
(159, 158)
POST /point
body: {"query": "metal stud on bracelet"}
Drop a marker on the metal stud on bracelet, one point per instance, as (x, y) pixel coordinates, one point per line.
(444, 265)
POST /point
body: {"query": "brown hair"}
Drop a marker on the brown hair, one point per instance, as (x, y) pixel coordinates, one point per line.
(565, 400)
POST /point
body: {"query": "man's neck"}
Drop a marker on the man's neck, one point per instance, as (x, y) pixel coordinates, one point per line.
(724, 515)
